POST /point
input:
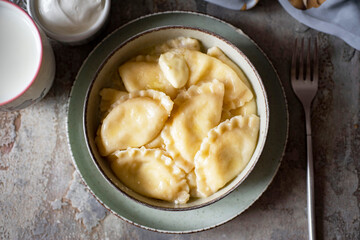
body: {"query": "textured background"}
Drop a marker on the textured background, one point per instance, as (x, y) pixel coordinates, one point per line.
(42, 196)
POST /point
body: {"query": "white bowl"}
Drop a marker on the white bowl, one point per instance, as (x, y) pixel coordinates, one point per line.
(136, 45)
(70, 38)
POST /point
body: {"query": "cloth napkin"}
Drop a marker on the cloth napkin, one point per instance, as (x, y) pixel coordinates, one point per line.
(336, 17)
(235, 4)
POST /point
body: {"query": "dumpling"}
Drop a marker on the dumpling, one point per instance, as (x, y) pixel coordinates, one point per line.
(217, 53)
(177, 43)
(152, 173)
(174, 68)
(157, 142)
(191, 180)
(195, 112)
(108, 97)
(225, 152)
(143, 75)
(205, 68)
(135, 120)
(145, 58)
(248, 109)
(147, 71)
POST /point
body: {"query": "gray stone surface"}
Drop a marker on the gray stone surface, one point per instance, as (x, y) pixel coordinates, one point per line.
(42, 196)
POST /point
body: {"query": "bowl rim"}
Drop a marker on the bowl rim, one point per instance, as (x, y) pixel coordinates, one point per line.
(176, 207)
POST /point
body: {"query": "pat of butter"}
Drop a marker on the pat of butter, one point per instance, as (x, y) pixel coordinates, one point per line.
(174, 68)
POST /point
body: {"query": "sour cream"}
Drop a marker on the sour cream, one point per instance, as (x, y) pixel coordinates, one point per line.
(69, 16)
(70, 21)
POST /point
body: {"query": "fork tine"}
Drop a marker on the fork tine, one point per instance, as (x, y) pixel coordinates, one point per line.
(308, 61)
(293, 61)
(316, 63)
(301, 63)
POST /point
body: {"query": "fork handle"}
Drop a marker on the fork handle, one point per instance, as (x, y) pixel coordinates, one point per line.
(310, 190)
(310, 179)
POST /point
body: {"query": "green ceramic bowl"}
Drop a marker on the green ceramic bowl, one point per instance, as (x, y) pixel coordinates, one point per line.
(198, 219)
(134, 46)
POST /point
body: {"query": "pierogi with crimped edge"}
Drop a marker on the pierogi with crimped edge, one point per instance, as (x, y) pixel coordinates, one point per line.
(108, 97)
(135, 120)
(184, 127)
(196, 111)
(142, 75)
(225, 152)
(152, 173)
(206, 68)
(217, 53)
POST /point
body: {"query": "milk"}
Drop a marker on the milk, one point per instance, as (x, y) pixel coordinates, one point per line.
(20, 53)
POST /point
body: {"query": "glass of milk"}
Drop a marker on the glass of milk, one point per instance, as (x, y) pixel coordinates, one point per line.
(27, 64)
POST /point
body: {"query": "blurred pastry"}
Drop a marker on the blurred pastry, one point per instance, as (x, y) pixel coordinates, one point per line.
(306, 4)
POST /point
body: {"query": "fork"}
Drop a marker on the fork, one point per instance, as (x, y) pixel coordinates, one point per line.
(304, 81)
